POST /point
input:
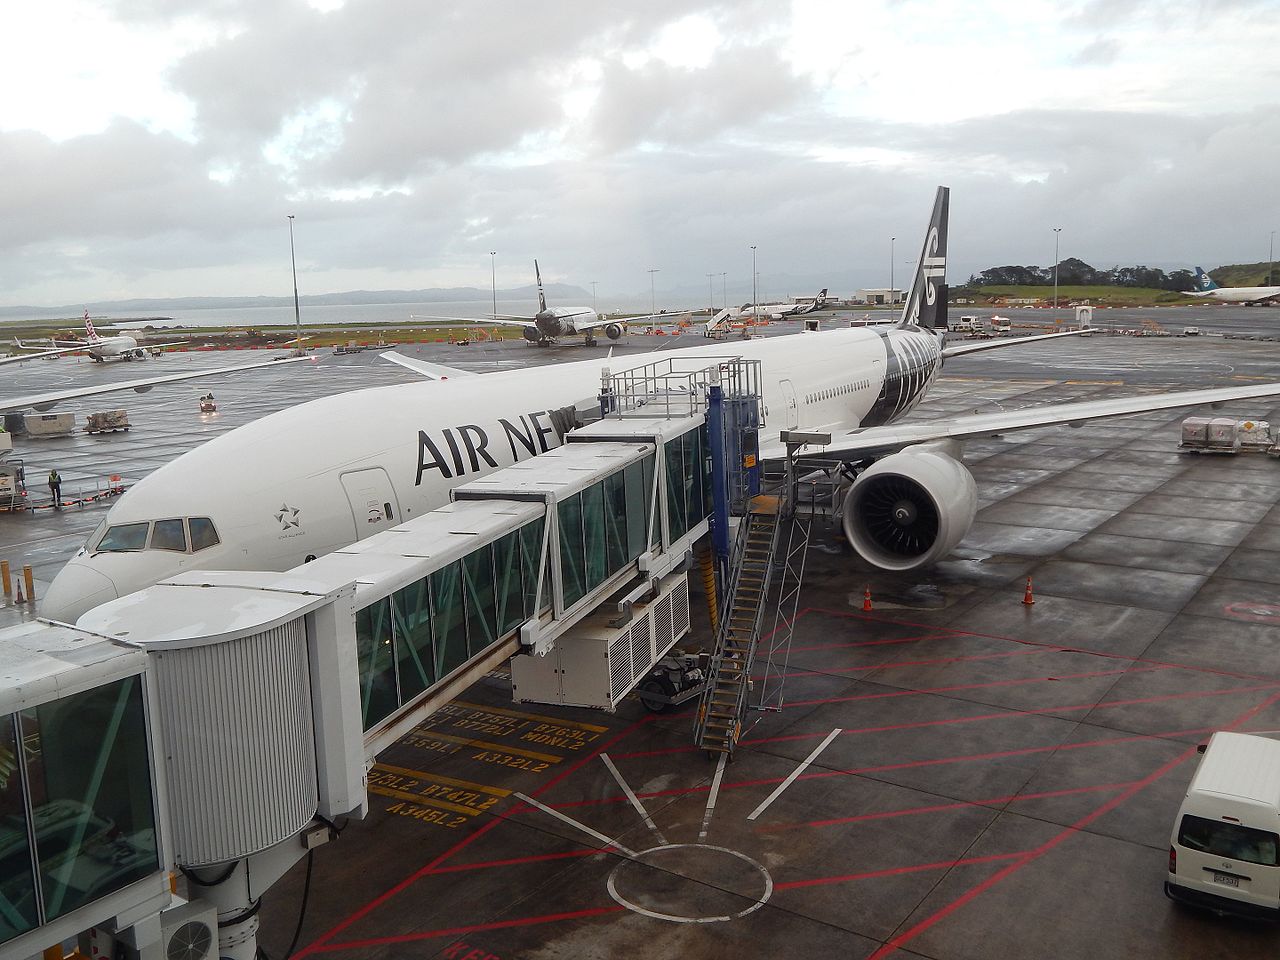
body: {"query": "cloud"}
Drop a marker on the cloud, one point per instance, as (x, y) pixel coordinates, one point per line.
(608, 139)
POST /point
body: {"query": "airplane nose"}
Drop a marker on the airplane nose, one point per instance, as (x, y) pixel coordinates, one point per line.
(76, 590)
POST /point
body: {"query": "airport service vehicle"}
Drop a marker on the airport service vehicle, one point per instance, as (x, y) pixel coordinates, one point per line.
(1001, 325)
(1250, 296)
(1191, 331)
(1223, 851)
(964, 324)
(908, 497)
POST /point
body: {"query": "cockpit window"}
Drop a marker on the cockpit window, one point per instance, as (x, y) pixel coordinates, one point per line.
(169, 535)
(124, 536)
(202, 533)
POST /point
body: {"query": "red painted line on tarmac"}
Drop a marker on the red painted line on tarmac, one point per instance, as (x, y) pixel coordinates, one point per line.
(972, 686)
(1033, 855)
(516, 861)
(1061, 648)
(429, 868)
(909, 663)
(1009, 714)
(473, 928)
(896, 871)
(933, 635)
(905, 765)
(944, 807)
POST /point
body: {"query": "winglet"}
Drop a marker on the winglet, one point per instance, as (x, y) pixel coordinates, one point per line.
(542, 299)
(926, 304)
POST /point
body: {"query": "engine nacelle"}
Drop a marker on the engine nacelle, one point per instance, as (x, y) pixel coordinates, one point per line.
(613, 330)
(532, 334)
(911, 508)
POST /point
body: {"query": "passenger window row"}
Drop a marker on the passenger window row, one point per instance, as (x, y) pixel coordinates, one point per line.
(839, 391)
(179, 535)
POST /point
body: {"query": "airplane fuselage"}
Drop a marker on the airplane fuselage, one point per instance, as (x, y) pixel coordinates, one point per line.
(1239, 294)
(277, 493)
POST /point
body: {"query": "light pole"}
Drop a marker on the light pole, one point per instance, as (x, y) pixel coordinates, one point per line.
(493, 278)
(1271, 259)
(891, 296)
(724, 290)
(653, 304)
(1056, 231)
(293, 262)
(593, 296)
(755, 299)
(711, 291)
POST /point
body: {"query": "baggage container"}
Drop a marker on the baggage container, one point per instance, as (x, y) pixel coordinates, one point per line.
(49, 424)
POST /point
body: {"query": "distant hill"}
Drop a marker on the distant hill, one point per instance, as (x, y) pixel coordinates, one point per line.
(1246, 275)
(156, 306)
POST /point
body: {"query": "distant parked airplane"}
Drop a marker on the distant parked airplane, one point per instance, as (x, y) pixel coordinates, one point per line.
(777, 311)
(1206, 288)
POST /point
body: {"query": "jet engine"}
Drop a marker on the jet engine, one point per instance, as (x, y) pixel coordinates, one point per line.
(613, 330)
(532, 334)
(911, 508)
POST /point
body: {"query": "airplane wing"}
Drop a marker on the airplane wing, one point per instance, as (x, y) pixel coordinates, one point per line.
(43, 401)
(961, 349)
(501, 319)
(18, 358)
(876, 441)
(432, 371)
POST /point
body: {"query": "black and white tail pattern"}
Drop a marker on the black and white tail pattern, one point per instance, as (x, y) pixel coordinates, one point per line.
(926, 304)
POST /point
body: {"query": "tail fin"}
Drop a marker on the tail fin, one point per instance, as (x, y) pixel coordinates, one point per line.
(1204, 282)
(821, 298)
(88, 328)
(542, 299)
(926, 304)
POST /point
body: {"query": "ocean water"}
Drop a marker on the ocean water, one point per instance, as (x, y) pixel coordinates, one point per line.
(380, 314)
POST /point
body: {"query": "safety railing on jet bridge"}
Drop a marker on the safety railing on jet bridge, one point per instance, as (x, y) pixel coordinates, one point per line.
(676, 386)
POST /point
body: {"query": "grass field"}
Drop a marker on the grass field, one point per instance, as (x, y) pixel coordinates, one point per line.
(1115, 296)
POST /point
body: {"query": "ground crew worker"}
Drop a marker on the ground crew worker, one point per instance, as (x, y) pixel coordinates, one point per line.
(55, 489)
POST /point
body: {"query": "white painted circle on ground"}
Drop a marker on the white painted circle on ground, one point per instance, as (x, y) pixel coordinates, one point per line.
(697, 850)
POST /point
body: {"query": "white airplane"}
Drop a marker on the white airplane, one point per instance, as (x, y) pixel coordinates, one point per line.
(122, 347)
(1206, 288)
(267, 496)
(778, 311)
(45, 401)
(551, 322)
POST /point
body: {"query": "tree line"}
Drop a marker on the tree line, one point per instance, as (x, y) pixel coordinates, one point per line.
(1073, 272)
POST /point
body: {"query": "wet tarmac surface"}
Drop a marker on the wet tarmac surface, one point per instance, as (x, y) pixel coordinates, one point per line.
(985, 778)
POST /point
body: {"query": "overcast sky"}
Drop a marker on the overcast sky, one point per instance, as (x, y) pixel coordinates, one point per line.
(153, 148)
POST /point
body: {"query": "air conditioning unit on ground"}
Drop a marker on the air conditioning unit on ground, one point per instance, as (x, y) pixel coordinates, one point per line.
(595, 664)
(188, 931)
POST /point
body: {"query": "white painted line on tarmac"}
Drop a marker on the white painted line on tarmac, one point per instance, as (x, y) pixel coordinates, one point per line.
(607, 841)
(711, 798)
(635, 801)
(794, 773)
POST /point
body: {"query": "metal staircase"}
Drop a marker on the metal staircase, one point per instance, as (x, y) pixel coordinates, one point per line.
(724, 702)
(810, 489)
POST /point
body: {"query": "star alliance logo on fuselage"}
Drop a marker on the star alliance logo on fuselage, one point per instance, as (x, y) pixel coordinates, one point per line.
(287, 516)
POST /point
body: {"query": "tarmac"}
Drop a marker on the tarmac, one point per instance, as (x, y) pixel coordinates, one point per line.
(955, 774)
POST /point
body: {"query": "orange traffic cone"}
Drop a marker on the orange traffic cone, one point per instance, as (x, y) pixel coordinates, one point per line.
(1027, 598)
(20, 598)
(866, 600)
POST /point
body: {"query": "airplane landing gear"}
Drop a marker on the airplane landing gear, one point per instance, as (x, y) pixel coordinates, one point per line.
(591, 341)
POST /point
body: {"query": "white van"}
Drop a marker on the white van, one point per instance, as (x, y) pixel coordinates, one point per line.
(1223, 851)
